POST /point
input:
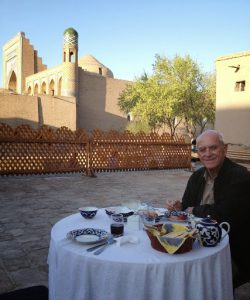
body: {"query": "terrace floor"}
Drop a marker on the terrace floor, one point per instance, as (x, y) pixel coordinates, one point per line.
(31, 205)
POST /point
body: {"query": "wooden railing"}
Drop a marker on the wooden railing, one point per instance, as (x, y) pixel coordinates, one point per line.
(24, 150)
(242, 157)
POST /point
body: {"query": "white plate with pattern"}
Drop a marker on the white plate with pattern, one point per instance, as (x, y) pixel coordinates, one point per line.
(88, 236)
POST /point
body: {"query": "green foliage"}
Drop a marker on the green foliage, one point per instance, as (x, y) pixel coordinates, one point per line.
(138, 126)
(177, 90)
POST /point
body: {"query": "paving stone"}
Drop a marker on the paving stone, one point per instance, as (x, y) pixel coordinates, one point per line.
(6, 284)
(13, 252)
(39, 257)
(15, 232)
(36, 244)
(25, 277)
(6, 246)
(17, 262)
(5, 236)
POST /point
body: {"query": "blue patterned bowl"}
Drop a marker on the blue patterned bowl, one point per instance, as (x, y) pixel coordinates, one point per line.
(126, 212)
(88, 212)
(179, 216)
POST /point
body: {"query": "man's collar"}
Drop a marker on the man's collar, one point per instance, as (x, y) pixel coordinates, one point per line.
(208, 177)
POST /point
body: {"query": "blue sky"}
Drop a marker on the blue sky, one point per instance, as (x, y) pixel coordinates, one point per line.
(125, 35)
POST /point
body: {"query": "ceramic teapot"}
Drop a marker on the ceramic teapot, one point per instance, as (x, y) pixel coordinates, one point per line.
(210, 231)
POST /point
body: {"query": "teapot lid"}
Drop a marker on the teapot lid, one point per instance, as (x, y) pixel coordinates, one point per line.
(208, 220)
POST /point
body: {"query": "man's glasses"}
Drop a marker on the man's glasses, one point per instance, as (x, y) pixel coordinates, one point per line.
(211, 148)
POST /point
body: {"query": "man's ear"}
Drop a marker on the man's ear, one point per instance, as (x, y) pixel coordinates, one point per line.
(225, 148)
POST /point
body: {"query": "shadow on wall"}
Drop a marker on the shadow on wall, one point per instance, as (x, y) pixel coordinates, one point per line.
(235, 125)
(40, 112)
(14, 122)
(97, 105)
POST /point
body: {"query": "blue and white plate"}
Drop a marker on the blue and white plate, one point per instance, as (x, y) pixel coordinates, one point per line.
(88, 236)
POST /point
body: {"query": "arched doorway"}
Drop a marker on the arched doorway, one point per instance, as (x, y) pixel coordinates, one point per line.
(36, 89)
(44, 88)
(12, 82)
(29, 90)
(59, 87)
(52, 88)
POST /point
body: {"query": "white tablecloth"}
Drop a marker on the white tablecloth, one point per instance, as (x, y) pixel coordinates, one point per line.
(134, 271)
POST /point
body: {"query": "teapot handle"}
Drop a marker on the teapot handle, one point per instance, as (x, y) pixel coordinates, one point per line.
(227, 230)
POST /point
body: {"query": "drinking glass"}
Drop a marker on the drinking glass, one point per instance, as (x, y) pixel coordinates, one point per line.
(148, 215)
(133, 205)
(117, 225)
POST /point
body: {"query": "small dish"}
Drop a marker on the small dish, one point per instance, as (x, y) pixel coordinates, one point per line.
(178, 216)
(156, 215)
(88, 212)
(126, 212)
(88, 236)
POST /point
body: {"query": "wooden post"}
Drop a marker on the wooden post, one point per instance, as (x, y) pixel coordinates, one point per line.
(89, 170)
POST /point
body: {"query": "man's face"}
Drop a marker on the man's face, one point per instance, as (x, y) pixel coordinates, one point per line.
(211, 151)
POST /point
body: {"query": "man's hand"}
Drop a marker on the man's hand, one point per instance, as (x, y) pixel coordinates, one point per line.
(189, 210)
(173, 205)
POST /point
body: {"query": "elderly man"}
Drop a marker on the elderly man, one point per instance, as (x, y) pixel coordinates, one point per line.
(221, 189)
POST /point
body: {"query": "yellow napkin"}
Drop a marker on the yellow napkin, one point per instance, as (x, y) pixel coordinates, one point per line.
(171, 236)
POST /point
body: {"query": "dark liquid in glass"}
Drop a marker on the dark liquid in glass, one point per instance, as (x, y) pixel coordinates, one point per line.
(117, 229)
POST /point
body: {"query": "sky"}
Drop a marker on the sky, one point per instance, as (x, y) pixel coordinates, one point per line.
(125, 35)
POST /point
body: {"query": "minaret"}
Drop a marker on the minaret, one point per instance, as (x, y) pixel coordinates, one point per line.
(70, 63)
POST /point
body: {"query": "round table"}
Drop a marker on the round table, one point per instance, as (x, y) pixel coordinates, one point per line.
(134, 271)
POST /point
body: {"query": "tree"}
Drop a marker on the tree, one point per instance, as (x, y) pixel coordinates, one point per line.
(205, 107)
(193, 91)
(177, 90)
(142, 99)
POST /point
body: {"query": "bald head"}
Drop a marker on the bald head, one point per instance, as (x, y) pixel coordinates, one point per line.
(211, 133)
(211, 150)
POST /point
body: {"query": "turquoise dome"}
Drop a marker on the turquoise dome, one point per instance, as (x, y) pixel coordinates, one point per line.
(70, 31)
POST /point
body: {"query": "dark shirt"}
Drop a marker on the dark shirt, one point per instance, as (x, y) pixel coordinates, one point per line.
(231, 204)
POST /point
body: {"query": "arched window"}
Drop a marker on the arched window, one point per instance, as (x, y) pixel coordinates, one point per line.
(129, 117)
(52, 88)
(72, 57)
(44, 88)
(36, 89)
(59, 92)
(12, 82)
(29, 90)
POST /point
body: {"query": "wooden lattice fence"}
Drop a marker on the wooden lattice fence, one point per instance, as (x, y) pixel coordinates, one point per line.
(24, 150)
(127, 151)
